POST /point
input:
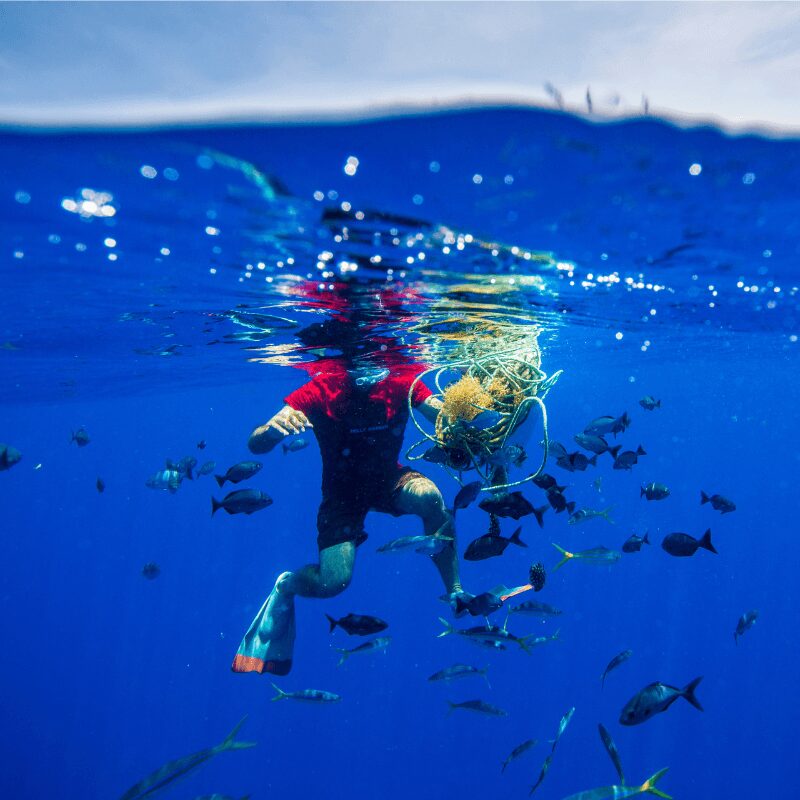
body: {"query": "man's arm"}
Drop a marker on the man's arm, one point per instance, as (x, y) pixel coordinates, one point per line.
(430, 408)
(286, 422)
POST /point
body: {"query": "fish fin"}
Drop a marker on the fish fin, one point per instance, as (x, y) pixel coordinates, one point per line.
(345, 656)
(640, 451)
(332, 621)
(555, 635)
(649, 786)
(281, 694)
(641, 492)
(593, 460)
(514, 538)
(228, 742)
(605, 514)
(570, 507)
(220, 479)
(448, 628)
(485, 673)
(688, 693)
(706, 541)
(539, 514)
(567, 556)
(503, 768)
(704, 498)
(645, 540)
(614, 451)
(215, 506)
(603, 680)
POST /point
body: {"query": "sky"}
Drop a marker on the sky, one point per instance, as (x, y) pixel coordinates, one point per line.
(121, 63)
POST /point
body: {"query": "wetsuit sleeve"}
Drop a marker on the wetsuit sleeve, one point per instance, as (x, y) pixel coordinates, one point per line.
(306, 399)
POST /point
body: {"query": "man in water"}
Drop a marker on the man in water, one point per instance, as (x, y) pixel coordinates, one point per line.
(359, 418)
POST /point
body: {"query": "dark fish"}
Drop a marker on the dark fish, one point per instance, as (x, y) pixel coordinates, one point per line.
(576, 462)
(626, 459)
(537, 576)
(491, 544)
(681, 544)
(556, 450)
(466, 495)
(206, 469)
(612, 751)
(239, 472)
(654, 699)
(633, 544)
(174, 770)
(718, 502)
(294, 445)
(604, 425)
(534, 609)
(100, 485)
(518, 751)
(358, 624)
(151, 570)
(201, 445)
(649, 403)
(459, 671)
(512, 505)
(746, 621)
(381, 643)
(562, 726)
(169, 480)
(513, 455)
(592, 443)
(480, 605)
(558, 502)
(545, 481)
(80, 437)
(184, 466)
(307, 695)
(8, 456)
(242, 501)
(435, 455)
(479, 707)
(654, 491)
(618, 659)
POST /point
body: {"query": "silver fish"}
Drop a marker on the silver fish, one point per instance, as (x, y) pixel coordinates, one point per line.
(746, 621)
(459, 671)
(479, 707)
(381, 643)
(518, 751)
(169, 480)
(423, 544)
(306, 695)
(584, 514)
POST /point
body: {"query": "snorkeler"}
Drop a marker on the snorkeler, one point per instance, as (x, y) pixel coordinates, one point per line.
(359, 417)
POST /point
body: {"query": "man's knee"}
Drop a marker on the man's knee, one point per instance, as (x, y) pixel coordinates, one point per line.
(424, 498)
(333, 582)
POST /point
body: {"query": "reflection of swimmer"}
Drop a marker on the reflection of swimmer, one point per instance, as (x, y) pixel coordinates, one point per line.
(359, 418)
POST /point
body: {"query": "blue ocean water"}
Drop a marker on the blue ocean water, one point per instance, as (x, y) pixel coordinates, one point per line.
(155, 287)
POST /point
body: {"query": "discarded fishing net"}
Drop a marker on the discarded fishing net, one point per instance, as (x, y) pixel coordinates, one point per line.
(487, 389)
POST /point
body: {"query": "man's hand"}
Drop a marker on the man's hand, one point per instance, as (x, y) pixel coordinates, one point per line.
(289, 421)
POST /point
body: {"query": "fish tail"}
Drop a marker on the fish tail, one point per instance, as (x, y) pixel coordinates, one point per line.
(450, 708)
(704, 498)
(448, 628)
(706, 541)
(603, 680)
(220, 479)
(503, 768)
(645, 540)
(593, 460)
(485, 673)
(515, 538)
(345, 656)
(640, 451)
(555, 635)
(641, 492)
(215, 506)
(570, 507)
(539, 514)
(281, 694)
(567, 556)
(229, 743)
(688, 693)
(615, 451)
(332, 622)
(605, 512)
(649, 786)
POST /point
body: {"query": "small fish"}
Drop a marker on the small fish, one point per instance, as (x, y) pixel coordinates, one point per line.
(545, 481)
(562, 726)
(169, 480)
(746, 621)
(584, 514)
(576, 462)
(485, 420)
(558, 502)
(513, 455)
(592, 443)
(479, 707)
(358, 624)
(480, 605)
(307, 695)
(649, 403)
(295, 445)
(594, 555)
(184, 466)
(718, 502)
(513, 505)
(556, 449)
(466, 495)
(532, 608)
(598, 484)
(618, 659)
(612, 751)
(174, 770)
(633, 544)
(100, 485)
(654, 491)
(206, 469)
(239, 472)
(8, 456)
(604, 425)
(623, 792)
(435, 455)
(654, 699)
(80, 437)
(242, 501)
(459, 671)
(491, 544)
(518, 751)
(538, 641)
(422, 544)
(683, 545)
(201, 445)
(151, 570)
(483, 633)
(626, 459)
(381, 643)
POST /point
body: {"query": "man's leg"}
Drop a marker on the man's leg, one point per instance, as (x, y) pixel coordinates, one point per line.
(268, 644)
